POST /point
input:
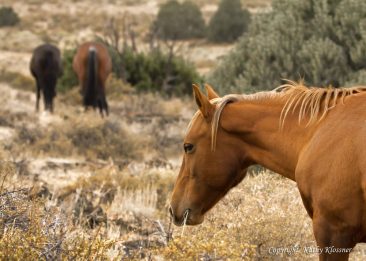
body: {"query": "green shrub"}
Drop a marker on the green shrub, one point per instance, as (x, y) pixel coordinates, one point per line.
(316, 40)
(154, 71)
(8, 17)
(177, 21)
(229, 22)
(316, 56)
(68, 79)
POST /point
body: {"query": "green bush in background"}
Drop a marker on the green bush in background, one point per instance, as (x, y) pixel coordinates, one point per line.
(68, 79)
(322, 41)
(154, 71)
(176, 21)
(8, 17)
(229, 22)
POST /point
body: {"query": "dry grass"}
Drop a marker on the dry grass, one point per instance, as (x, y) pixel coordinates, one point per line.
(32, 227)
(264, 211)
(100, 140)
(262, 215)
(17, 80)
(29, 230)
(124, 186)
(118, 214)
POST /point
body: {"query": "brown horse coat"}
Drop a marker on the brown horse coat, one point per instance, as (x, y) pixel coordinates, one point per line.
(92, 64)
(46, 67)
(314, 136)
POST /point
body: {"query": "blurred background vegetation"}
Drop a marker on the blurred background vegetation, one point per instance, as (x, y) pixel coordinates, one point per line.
(8, 17)
(160, 68)
(320, 41)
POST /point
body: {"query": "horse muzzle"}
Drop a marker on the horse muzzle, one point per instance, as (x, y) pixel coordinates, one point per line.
(187, 218)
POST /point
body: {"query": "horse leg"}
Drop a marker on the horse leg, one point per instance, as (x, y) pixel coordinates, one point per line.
(46, 105)
(38, 94)
(105, 105)
(100, 107)
(335, 244)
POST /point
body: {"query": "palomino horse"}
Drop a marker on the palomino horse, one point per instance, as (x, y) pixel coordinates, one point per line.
(92, 65)
(314, 136)
(46, 67)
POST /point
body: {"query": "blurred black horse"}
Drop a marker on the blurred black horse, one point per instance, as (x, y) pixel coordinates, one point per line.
(46, 67)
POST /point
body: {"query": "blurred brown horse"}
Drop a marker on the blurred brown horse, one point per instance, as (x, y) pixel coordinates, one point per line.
(46, 67)
(92, 65)
(314, 136)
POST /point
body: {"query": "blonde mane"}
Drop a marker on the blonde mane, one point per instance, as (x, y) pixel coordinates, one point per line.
(310, 102)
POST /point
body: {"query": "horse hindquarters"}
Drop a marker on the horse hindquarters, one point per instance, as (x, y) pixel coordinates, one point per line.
(46, 68)
(92, 65)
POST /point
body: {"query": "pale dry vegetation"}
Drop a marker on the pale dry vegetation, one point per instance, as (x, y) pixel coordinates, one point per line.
(116, 214)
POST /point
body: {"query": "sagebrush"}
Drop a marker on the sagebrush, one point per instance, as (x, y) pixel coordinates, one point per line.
(315, 40)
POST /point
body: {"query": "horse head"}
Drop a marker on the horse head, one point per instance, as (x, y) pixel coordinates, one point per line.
(207, 172)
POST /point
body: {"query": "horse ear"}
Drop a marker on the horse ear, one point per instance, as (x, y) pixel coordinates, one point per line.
(211, 94)
(207, 109)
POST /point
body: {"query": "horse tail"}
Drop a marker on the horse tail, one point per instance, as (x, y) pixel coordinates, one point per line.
(49, 67)
(90, 95)
(44, 61)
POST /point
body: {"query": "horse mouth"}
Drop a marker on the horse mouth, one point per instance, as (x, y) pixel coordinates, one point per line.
(188, 218)
(181, 222)
(185, 217)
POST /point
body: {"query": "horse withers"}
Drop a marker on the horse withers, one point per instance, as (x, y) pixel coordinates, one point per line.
(92, 64)
(46, 68)
(314, 136)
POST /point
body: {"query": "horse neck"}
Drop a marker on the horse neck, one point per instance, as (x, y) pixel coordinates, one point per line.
(258, 125)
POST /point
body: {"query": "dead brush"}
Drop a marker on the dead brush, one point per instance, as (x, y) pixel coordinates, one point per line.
(106, 140)
(100, 140)
(17, 80)
(109, 186)
(28, 231)
(263, 211)
(33, 228)
(52, 141)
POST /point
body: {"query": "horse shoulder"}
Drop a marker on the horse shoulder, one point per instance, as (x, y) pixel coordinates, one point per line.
(331, 172)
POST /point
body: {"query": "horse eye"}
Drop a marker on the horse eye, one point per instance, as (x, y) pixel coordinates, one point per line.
(188, 148)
